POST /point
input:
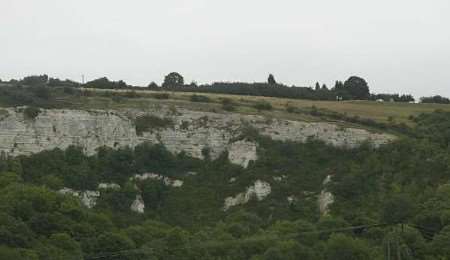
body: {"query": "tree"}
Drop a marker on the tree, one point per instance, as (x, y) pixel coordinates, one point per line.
(35, 80)
(357, 88)
(152, 85)
(441, 242)
(398, 209)
(343, 247)
(271, 80)
(173, 79)
(317, 86)
(7, 178)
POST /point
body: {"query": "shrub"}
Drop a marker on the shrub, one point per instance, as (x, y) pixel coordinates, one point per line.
(69, 90)
(228, 105)
(263, 105)
(150, 122)
(291, 109)
(131, 94)
(31, 112)
(117, 99)
(160, 96)
(41, 92)
(200, 98)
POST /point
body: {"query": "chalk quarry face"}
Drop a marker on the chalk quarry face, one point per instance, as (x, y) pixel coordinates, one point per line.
(192, 132)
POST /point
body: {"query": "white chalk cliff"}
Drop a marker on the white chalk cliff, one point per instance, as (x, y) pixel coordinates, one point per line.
(192, 132)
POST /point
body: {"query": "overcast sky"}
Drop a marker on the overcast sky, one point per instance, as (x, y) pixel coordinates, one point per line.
(396, 45)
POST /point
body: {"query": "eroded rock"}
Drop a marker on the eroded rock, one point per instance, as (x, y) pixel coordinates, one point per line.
(88, 198)
(192, 132)
(325, 198)
(138, 205)
(153, 176)
(107, 186)
(259, 190)
(242, 152)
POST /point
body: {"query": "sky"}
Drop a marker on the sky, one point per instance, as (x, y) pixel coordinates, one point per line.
(398, 46)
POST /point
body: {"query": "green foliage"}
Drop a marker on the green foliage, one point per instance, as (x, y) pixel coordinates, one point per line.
(173, 79)
(398, 209)
(149, 122)
(228, 105)
(7, 178)
(347, 248)
(263, 105)
(435, 99)
(105, 83)
(35, 80)
(31, 112)
(271, 80)
(160, 95)
(353, 88)
(199, 98)
(434, 126)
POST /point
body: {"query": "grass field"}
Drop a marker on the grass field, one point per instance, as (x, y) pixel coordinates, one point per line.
(379, 111)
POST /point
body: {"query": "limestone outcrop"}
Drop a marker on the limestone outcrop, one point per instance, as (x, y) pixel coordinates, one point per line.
(325, 198)
(193, 132)
(88, 198)
(153, 176)
(259, 190)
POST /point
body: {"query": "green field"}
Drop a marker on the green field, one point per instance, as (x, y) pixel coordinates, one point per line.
(379, 111)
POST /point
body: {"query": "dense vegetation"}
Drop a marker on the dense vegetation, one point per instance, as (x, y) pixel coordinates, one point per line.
(354, 88)
(390, 203)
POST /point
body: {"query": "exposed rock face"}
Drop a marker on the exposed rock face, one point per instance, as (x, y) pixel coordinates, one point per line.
(88, 198)
(326, 198)
(260, 190)
(153, 176)
(138, 205)
(242, 152)
(107, 186)
(192, 132)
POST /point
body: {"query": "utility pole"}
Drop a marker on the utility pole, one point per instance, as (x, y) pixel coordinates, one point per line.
(82, 79)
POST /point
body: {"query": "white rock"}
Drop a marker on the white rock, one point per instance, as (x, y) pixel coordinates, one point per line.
(60, 128)
(326, 198)
(88, 198)
(242, 152)
(291, 199)
(260, 190)
(153, 176)
(108, 186)
(232, 179)
(138, 205)
(327, 180)
(279, 178)
(177, 183)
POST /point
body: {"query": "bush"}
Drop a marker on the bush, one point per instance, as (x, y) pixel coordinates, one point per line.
(228, 105)
(41, 92)
(160, 96)
(263, 105)
(31, 112)
(291, 109)
(69, 90)
(131, 94)
(149, 122)
(200, 98)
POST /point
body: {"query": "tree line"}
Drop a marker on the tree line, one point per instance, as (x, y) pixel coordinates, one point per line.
(354, 88)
